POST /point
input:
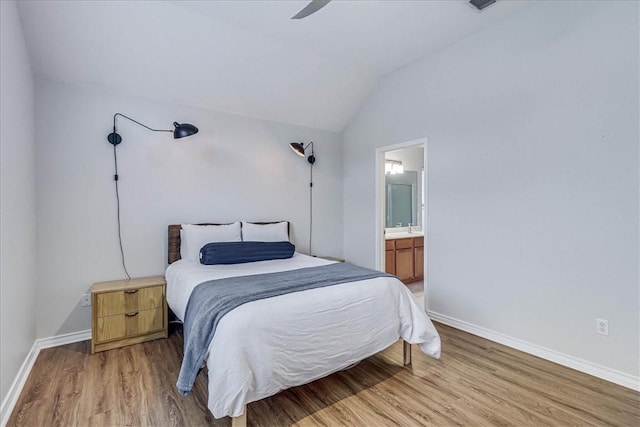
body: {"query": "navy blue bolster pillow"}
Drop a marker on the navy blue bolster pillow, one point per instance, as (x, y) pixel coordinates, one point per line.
(240, 252)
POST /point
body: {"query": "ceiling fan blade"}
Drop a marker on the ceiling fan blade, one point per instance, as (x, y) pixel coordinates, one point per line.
(312, 7)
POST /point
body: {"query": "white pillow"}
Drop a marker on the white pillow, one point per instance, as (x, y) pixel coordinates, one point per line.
(194, 237)
(276, 232)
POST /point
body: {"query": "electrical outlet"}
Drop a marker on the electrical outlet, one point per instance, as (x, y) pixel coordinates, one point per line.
(85, 300)
(602, 326)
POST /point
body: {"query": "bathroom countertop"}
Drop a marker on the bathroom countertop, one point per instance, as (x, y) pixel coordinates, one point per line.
(403, 235)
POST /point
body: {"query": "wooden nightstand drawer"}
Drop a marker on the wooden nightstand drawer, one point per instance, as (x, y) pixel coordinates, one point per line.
(128, 312)
(129, 324)
(119, 302)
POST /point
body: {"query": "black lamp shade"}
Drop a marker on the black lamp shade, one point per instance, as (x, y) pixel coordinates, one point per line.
(297, 148)
(183, 129)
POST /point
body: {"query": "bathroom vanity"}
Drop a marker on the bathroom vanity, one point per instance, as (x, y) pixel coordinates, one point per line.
(404, 256)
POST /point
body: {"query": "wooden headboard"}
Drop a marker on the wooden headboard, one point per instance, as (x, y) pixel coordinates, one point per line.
(174, 237)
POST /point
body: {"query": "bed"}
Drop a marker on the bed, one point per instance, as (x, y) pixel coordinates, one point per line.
(268, 345)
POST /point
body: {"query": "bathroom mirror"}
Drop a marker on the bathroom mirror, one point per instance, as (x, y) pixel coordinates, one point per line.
(402, 199)
(404, 170)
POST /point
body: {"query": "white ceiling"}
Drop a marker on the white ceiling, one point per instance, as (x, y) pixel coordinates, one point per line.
(246, 57)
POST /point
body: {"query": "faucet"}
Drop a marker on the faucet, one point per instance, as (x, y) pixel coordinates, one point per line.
(410, 227)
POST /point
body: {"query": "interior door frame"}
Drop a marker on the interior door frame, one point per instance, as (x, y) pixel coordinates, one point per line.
(380, 203)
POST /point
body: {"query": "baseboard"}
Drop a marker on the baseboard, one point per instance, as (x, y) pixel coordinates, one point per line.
(11, 398)
(572, 362)
(64, 339)
(18, 383)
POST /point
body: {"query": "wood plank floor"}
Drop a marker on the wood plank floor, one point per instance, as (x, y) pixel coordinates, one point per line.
(476, 382)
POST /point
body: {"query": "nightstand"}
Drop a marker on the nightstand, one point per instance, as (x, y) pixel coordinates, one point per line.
(125, 312)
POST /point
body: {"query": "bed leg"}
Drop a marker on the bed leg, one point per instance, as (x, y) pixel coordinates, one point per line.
(240, 421)
(406, 353)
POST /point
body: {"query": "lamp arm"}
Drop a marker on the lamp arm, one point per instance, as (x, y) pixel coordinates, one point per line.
(115, 116)
(307, 146)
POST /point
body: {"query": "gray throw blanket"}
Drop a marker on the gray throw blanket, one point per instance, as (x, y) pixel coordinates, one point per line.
(211, 300)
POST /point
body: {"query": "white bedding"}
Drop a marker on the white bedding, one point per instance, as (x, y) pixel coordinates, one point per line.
(266, 346)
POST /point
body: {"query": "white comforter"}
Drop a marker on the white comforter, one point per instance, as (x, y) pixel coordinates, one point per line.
(266, 346)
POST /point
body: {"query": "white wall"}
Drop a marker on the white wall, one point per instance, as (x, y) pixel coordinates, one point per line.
(17, 199)
(234, 168)
(532, 176)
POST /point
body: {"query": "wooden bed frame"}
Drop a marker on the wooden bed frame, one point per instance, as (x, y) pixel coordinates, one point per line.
(174, 255)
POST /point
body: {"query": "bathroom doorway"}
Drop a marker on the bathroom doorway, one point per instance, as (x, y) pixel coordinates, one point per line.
(401, 199)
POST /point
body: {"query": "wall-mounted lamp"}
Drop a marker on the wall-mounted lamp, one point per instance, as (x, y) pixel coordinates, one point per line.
(393, 167)
(300, 149)
(180, 130)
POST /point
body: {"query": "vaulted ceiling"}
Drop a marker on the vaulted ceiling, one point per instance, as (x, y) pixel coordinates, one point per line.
(246, 57)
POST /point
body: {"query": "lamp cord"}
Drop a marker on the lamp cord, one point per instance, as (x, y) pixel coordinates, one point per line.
(115, 178)
(310, 208)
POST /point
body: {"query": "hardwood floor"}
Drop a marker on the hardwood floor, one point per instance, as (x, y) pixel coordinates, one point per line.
(417, 289)
(476, 382)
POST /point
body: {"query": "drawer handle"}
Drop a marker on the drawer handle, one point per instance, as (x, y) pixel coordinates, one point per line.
(134, 313)
(131, 291)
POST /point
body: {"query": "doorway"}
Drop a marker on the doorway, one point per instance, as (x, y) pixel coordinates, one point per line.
(401, 200)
